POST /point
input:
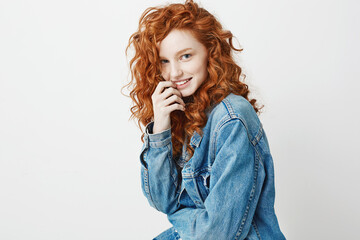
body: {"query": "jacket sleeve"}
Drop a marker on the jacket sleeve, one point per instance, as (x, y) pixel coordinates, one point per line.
(235, 185)
(159, 176)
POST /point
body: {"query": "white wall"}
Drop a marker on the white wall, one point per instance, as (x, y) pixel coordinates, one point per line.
(69, 166)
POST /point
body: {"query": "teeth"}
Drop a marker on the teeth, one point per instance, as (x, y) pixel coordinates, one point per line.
(182, 82)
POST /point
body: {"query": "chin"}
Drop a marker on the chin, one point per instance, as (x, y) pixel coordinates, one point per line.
(186, 94)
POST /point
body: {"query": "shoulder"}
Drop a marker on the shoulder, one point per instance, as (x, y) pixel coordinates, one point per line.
(235, 108)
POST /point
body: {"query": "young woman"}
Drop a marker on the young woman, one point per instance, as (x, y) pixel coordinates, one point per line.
(205, 160)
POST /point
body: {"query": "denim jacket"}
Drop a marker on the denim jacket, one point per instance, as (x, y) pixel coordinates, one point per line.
(226, 189)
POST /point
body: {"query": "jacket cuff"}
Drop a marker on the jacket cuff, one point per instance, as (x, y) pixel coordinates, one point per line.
(157, 140)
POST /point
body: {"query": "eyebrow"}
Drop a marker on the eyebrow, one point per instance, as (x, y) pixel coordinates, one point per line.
(180, 52)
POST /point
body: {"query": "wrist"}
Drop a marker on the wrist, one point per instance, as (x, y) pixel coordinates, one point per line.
(160, 128)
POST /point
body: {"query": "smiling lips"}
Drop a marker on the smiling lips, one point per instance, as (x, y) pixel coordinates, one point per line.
(179, 83)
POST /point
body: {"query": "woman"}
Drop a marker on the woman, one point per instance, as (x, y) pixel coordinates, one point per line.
(205, 160)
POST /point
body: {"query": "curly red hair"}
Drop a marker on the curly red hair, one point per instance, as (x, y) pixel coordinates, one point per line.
(223, 73)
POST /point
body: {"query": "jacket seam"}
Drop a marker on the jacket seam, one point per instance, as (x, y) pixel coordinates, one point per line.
(160, 143)
(230, 110)
(258, 135)
(196, 173)
(232, 115)
(173, 175)
(146, 177)
(147, 189)
(251, 197)
(256, 229)
(221, 123)
(226, 107)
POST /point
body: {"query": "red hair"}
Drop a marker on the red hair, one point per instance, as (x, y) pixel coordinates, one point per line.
(223, 73)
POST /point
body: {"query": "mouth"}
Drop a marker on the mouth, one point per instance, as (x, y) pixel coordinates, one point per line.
(182, 82)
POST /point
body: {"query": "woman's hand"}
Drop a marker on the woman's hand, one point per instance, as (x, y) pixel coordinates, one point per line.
(166, 98)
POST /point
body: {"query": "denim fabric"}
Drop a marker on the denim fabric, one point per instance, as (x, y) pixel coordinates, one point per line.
(170, 234)
(226, 190)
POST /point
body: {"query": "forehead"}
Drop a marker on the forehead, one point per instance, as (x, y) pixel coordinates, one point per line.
(176, 41)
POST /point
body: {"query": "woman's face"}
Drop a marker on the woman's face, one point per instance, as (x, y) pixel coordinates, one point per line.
(183, 61)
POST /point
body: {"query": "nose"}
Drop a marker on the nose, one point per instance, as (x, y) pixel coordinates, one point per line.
(175, 71)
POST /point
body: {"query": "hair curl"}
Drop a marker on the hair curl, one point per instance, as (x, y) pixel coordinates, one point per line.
(223, 73)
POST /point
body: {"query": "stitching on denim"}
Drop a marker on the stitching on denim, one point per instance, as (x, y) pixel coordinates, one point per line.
(252, 193)
(169, 157)
(227, 109)
(231, 112)
(257, 148)
(147, 190)
(256, 229)
(221, 123)
(224, 121)
(232, 115)
(161, 143)
(258, 136)
(197, 172)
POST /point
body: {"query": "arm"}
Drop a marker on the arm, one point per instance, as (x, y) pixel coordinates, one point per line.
(235, 185)
(159, 177)
(158, 171)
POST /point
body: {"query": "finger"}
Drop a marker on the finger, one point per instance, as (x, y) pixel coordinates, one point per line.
(162, 85)
(174, 99)
(169, 92)
(174, 107)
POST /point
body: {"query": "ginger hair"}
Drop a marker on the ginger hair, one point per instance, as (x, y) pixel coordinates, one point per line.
(224, 75)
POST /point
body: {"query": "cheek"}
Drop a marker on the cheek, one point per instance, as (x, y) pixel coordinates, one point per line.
(201, 69)
(165, 74)
(198, 68)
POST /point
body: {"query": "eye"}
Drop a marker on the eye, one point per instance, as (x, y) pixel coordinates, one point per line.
(186, 56)
(163, 61)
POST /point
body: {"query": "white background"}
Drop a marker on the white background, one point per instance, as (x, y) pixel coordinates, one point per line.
(69, 156)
